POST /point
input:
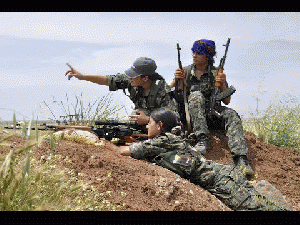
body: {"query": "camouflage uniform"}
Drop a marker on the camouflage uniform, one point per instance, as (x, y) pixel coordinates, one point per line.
(159, 95)
(199, 92)
(223, 181)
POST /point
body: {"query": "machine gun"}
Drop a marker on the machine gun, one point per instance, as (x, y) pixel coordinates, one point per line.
(216, 96)
(125, 132)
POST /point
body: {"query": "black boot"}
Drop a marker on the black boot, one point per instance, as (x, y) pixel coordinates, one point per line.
(241, 162)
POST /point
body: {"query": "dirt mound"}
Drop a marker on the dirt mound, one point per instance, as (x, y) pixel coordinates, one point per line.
(144, 186)
(139, 184)
(277, 165)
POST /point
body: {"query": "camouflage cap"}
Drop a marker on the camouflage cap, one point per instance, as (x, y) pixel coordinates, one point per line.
(141, 66)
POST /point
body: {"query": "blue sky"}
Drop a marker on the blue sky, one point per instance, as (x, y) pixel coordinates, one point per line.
(34, 47)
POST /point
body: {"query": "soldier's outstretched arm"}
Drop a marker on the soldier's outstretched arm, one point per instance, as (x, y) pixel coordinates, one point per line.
(98, 79)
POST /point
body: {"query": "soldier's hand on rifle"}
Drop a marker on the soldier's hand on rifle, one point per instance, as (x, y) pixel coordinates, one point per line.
(179, 74)
(221, 83)
(221, 80)
(72, 73)
(141, 119)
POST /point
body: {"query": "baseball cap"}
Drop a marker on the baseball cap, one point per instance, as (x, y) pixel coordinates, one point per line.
(141, 66)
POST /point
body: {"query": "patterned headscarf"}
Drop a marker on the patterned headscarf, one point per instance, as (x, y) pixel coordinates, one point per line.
(206, 47)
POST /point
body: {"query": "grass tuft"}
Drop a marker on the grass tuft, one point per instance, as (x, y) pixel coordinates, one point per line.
(30, 184)
(280, 123)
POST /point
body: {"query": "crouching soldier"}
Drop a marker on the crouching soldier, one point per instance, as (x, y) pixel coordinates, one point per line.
(147, 89)
(200, 85)
(172, 152)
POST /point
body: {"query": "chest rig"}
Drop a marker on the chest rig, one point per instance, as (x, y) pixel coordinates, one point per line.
(206, 83)
(149, 102)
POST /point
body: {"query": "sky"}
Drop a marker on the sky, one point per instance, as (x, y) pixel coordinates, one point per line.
(35, 47)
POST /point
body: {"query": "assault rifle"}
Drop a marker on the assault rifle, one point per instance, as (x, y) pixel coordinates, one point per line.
(182, 104)
(222, 61)
(217, 97)
(128, 131)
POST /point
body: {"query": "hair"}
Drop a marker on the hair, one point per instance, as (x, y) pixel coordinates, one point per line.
(168, 118)
(154, 77)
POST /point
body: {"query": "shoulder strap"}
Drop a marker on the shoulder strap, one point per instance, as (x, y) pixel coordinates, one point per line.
(133, 93)
(189, 70)
(186, 86)
(214, 71)
(153, 102)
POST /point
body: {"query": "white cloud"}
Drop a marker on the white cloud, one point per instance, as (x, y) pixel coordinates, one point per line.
(118, 59)
(129, 27)
(108, 27)
(263, 44)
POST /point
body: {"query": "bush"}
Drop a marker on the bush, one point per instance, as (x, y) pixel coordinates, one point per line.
(83, 114)
(280, 123)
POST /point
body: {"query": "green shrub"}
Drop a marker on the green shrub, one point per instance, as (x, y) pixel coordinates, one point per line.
(280, 123)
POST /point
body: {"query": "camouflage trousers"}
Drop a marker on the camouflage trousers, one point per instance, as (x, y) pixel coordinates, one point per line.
(230, 122)
(229, 185)
(226, 182)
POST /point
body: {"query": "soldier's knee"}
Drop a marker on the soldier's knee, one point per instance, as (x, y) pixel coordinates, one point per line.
(196, 97)
(229, 113)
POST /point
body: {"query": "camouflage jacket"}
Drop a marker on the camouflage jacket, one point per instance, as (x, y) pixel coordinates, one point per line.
(159, 95)
(165, 142)
(206, 83)
(224, 181)
(167, 148)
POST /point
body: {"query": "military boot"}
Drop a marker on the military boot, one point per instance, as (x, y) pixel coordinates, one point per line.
(202, 143)
(241, 162)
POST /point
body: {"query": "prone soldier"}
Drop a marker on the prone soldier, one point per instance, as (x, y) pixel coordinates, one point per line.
(172, 152)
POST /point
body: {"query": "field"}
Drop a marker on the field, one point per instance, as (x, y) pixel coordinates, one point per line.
(40, 172)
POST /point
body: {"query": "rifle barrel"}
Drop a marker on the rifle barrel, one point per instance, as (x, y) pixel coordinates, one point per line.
(115, 123)
(222, 61)
(63, 127)
(179, 61)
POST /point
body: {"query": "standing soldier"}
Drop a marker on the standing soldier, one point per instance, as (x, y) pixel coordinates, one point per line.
(147, 89)
(200, 81)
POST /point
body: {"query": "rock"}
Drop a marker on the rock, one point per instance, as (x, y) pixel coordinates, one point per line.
(90, 137)
(269, 191)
